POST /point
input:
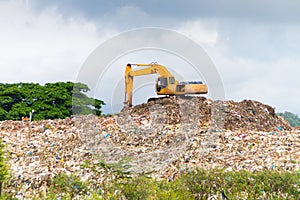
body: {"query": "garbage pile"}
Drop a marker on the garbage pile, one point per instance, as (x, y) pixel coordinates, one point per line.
(230, 115)
(166, 137)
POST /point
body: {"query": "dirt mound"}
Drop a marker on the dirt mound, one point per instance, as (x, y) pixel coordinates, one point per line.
(229, 115)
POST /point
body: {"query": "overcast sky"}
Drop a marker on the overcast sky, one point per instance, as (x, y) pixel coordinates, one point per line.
(255, 45)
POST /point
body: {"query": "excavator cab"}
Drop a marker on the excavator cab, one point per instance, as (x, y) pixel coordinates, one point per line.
(164, 82)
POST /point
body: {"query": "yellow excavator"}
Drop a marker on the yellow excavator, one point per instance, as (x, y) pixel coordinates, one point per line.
(166, 83)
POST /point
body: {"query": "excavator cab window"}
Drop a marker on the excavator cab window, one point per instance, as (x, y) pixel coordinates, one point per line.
(172, 80)
(161, 83)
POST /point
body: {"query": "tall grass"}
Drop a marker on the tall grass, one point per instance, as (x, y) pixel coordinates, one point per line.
(199, 184)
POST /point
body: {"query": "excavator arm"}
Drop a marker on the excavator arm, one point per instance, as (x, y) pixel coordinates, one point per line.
(128, 86)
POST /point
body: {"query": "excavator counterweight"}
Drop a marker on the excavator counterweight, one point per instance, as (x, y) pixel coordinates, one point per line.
(166, 83)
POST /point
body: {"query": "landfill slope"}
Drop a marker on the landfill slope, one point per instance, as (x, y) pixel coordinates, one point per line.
(229, 115)
(166, 137)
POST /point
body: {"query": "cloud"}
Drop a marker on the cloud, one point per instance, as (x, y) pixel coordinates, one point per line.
(256, 59)
(42, 46)
(255, 10)
(201, 31)
(274, 81)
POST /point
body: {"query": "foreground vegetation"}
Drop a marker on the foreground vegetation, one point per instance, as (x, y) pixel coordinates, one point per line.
(198, 184)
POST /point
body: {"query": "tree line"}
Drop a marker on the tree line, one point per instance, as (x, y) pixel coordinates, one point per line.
(49, 101)
(292, 118)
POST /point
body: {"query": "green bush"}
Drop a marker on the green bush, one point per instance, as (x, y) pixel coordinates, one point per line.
(243, 184)
(66, 187)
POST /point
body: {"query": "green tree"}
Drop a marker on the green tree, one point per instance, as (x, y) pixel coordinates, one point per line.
(292, 118)
(53, 100)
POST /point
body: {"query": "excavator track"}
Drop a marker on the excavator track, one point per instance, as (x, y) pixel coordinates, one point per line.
(157, 99)
(163, 100)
